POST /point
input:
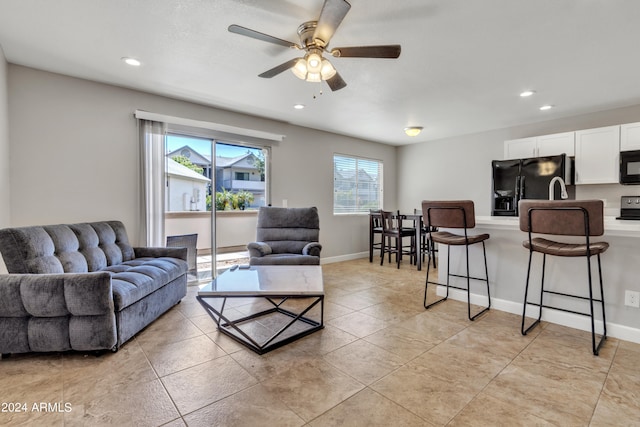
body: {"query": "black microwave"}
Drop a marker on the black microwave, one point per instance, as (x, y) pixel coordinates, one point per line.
(630, 167)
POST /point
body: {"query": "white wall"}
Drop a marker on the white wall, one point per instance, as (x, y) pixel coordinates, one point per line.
(5, 160)
(460, 167)
(75, 157)
(181, 191)
(4, 145)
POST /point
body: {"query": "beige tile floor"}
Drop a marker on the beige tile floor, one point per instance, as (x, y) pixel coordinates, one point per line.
(382, 360)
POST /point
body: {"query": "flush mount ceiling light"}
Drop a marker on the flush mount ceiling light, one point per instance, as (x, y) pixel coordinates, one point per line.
(299, 106)
(546, 107)
(413, 130)
(527, 93)
(131, 61)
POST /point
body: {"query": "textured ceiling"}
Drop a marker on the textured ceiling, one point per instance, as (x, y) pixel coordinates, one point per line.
(462, 66)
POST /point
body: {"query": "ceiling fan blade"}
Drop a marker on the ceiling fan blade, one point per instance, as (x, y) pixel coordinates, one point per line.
(336, 82)
(261, 36)
(386, 51)
(332, 14)
(279, 69)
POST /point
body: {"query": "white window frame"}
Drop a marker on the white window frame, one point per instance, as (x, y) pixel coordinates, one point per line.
(357, 210)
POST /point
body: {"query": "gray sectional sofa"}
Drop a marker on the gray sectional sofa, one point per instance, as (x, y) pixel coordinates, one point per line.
(82, 287)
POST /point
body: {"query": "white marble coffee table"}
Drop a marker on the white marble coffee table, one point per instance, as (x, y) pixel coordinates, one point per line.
(300, 287)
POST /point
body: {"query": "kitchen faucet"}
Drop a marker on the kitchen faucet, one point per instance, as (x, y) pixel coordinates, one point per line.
(563, 188)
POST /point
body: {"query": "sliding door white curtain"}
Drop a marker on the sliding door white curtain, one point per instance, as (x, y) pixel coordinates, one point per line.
(152, 156)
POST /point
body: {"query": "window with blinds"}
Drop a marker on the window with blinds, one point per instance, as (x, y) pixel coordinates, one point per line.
(357, 185)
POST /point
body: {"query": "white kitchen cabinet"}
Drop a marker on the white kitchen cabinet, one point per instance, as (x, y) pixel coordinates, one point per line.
(598, 155)
(537, 146)
(630, 137)
(520, 148)
(558, 143)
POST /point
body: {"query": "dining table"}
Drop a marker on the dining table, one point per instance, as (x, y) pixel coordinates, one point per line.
(417, 221)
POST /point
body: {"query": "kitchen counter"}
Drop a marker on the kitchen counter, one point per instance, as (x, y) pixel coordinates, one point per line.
(507, 262)
(612, 226)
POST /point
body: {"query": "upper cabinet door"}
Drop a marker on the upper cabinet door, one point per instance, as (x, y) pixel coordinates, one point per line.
(558, 143)
(598, 155)
(630, 137)
(520, 148)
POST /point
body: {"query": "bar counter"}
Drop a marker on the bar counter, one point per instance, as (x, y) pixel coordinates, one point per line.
(507, 261)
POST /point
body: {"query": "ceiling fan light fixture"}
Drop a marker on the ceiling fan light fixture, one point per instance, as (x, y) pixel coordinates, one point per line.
(413, 130)
(300, 69)
(321, 70)
(327, 71)
(314, 62)
(314, 77)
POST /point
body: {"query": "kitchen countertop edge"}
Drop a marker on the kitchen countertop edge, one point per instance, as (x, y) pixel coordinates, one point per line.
(612, 226)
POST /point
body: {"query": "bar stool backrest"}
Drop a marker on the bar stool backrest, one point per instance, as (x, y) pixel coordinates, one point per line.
(448, 213)
(562, 217)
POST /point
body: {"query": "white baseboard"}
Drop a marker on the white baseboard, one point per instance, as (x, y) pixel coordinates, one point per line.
(348, 257)
(552, 316)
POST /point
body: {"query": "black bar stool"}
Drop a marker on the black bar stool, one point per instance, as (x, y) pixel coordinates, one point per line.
(564, 218)
(454, 214)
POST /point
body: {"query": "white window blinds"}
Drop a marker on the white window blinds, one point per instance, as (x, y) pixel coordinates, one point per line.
(357, 185)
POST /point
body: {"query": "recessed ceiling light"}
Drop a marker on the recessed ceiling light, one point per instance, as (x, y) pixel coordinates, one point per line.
(527, 93)
(299, 106)
(413, 130)
(546, 107)
(132, 61)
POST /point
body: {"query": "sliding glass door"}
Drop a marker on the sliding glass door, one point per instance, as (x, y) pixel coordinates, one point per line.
(213, 189)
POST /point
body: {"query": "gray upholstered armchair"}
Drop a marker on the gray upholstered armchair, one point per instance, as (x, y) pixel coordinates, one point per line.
(286, 236)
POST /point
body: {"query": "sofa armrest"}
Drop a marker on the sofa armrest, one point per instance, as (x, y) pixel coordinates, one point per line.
(158, 252)
(312, 249)
(46, 295)
(258, 249)
(56, 312)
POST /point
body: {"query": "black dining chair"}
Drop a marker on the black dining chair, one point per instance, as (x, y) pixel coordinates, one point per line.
(426, 246)
(392, 229)
(375, 229)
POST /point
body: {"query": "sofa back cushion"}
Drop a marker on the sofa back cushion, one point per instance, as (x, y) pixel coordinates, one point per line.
(65, 248)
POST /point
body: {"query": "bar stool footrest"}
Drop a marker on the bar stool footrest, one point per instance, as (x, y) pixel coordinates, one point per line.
(427, 306)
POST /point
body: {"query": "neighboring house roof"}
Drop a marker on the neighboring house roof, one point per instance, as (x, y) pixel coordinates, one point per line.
(176, 169)
(195, 157)
(221, 162)
(363, 176)
(226, 162)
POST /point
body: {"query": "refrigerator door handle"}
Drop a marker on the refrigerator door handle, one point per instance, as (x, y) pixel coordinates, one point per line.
(516, 191)
(522, 187)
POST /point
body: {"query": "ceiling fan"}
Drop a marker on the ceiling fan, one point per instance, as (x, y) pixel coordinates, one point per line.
(314, 40)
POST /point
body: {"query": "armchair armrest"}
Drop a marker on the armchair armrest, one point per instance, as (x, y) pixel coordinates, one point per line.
(312, 249)
(258, 249)
(157, 252)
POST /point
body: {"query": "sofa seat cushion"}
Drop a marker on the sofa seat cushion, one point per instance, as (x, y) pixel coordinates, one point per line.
(133, 280)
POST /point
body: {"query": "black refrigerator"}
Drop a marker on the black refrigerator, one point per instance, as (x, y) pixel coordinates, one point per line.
(513, 180)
